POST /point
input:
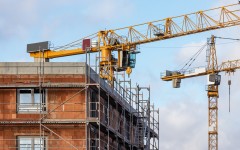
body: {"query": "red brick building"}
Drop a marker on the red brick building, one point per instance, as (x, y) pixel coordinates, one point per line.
(67, 106)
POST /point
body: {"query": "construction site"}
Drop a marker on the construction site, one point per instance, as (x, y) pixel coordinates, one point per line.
(92, 105)
(68, 106)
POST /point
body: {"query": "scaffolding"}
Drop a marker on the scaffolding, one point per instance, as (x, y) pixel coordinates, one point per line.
(95, 115)
(125, 113)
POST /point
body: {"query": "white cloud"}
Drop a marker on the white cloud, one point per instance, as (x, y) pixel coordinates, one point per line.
(189, 51)
(16, 17)
(224, 2)
(50, 19)
(107, 11)
(182, 125)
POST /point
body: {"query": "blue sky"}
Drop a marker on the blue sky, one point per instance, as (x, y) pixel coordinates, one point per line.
(183, 112)
(64, 21)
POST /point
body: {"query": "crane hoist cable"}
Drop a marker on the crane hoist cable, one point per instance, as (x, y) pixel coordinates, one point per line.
(74, 43)
(193, 58)
(229, 90)
(229, 75)
(176, 47)
(227, 38)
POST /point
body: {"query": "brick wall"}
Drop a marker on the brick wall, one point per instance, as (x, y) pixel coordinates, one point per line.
(73, 109)
(74, 135)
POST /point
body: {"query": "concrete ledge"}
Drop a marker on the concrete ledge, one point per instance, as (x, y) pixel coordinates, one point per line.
(18, 68)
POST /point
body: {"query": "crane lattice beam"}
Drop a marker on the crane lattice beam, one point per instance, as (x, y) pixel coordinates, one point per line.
(228, 67)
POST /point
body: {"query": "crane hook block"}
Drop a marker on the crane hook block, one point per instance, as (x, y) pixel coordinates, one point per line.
(129, 70)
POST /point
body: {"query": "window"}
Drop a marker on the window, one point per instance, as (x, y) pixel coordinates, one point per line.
(93, 105)
(93, 145)
(106, 111)
(119, 146)
(31, 143)
(127, 129)
(105, 147)
(94, 142)
(31, 100)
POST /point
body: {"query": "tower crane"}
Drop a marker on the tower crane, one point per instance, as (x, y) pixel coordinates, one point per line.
(214, 79)
(125, 40)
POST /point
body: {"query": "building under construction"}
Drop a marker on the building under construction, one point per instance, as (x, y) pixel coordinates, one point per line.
(53, 105)
(47, 106)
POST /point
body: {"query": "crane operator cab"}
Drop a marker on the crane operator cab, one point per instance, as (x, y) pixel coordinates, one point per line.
(126, 59)
(213, 82)
(214, 79)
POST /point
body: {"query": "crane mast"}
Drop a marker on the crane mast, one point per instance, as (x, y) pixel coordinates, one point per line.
(212, 92)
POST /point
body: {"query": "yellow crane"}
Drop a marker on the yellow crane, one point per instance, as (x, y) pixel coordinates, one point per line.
(125, 40)
(214, 79)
